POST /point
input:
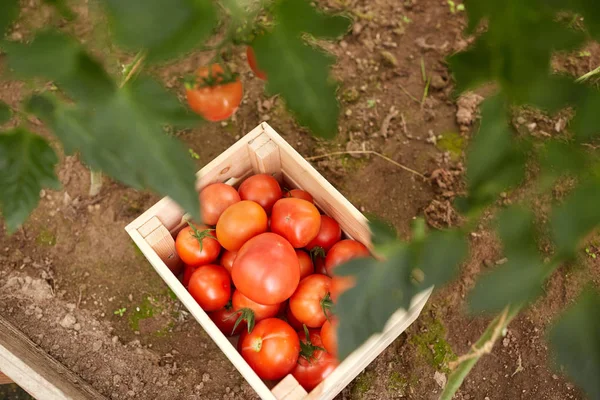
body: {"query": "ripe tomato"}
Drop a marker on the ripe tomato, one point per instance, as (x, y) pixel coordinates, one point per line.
(310, 303)
(240, 222)
(216, 102)
(250, 311)
(329, 336)
(266, 269)
(271, 349)
(329, 234)
(227, 260)
(306, 265)
(299, 194)
(339, 284)
(261, 188)
(314, 364)
(225, 319)
(196, 245)
(293, 321)
(343, 251)
(253, 65)
(214, 199)
(296, 220)
(320, 265)
(187, 274)
(210, 286)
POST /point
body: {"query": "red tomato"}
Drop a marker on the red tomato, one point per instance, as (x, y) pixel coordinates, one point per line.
(314, 364)
(271, 349)
(329, 336)
(196, 245)
(216, 102)
(214, 199)
(250, 311)
(329, 234)
(343, 251)
(266, 269)
(320, 265)
(243, 334)
(306, 265)
(299, 194)
(297, 325)
(261, 188)
(339, 284)
(240, 222)
(296, 220)
(310, 303)
(225, 320)
(187, 274)
(227, 260)
(253, 65)
(210, 286)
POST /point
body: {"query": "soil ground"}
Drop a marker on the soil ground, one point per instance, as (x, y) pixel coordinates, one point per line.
(73, 281)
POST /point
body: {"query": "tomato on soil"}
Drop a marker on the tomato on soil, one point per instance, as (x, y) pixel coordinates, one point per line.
(253, 64)
(271, 349)
(240, 222)
(250, 312)
(314, 364)
(196, 245)
(216, 102)
(329, 336)
(214, 199)
(227, 259)
(187, 274)
(210, 286)
(225, 319)
(310, 303)
(296, 220)
(306, 265)
(329, 234)
(299, 194)
(343, 251)
(261, 188)
(266, 269)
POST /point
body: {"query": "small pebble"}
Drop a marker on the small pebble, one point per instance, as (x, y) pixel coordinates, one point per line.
(205, 377)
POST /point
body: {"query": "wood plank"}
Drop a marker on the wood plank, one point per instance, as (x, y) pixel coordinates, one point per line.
(5, 379)
(264, 156)
(288, 389)
(36, 372)
(162, 243)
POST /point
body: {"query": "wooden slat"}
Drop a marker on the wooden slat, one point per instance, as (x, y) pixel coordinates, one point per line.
(5, 379)
(264, 156)
(36, 372)
(289, 389)
(162, 243)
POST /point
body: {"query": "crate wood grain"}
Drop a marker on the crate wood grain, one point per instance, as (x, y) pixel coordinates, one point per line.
(264, 151)
(5, 379)
(25, 363)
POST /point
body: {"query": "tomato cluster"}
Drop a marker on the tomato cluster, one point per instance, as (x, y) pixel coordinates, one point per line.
(262, 265)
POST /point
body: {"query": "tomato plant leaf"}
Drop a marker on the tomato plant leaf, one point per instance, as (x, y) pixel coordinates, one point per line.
(299, 16)
(5, 112)
(441, 255)
(520, 279)
(382, 232)
(300, 74)
(26, 166)
(9, 11)
(164, 28)
(574, 341)
(576, 217)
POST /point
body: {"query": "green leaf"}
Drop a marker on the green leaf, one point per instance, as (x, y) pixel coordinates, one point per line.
(441, 255)
(576, 217)
(60, 58)
(164, 28)
(520, 279)
(382, 232)
(26, 166)
(575, 342)
(9, 12)
(123, 138)
(5, 112)
(298, 16)
(300, 74)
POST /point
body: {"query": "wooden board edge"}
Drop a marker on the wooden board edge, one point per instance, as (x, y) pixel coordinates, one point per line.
(5, 379)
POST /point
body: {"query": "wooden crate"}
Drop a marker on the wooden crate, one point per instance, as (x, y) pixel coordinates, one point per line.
(264, 151)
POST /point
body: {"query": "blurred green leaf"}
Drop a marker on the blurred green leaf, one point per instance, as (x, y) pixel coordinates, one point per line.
(441, 255)
(5, 112)
(382, 232)
(300, 74)
(575, 342)
(123, 138)
(9, 11)
(164, 28)
(26, 166)
(494, 161)
(298, 16)
(576, 217)
(520, 279)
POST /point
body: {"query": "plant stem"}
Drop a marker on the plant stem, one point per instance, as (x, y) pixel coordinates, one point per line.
(587, 76)
(95, 182)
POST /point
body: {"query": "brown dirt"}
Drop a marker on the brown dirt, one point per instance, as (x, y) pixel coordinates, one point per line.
(67, 272)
